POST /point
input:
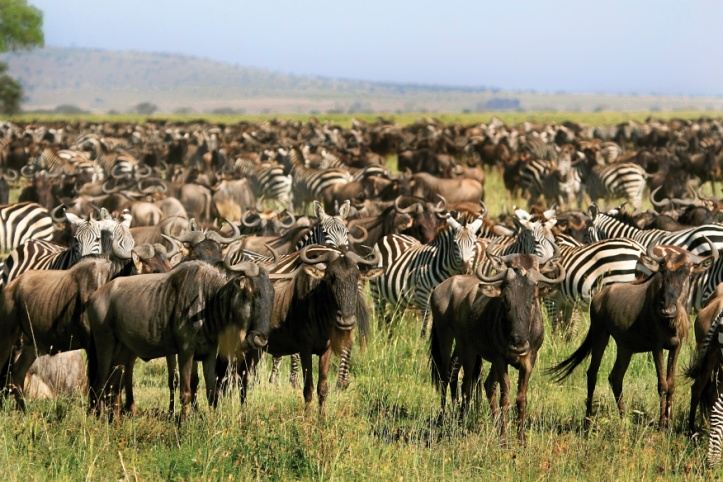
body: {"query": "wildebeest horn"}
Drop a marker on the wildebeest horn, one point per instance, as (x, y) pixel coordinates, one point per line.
(214, 236)
(326, 256)
(491, 279)
(713, 249)
(360, 239)
(249, 224)
(27, 171)
(484, 208)
(191, 237)
(54, 213)
(409, 209)
(143, 170)
(109, 190)
(290, 216)
(174, 247)
(373, 261)
(658, 204)
(560, 277)
(649, 252)
(246, 267)
(441, 205)
(114, 172)
(11, 175)
(496, 261)
(275, 254)
(144, 251)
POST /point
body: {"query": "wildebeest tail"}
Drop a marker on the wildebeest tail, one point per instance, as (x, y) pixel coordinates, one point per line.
(696, 367)
(565, 368)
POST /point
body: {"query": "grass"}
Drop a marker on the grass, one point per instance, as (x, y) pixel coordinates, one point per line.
(381, 428)
(345, 120)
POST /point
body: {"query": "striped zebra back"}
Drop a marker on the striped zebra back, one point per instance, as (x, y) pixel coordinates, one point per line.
(21, 222)
(269, 181)
(625, 180)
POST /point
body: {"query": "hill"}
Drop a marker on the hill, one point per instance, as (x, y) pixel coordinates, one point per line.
(101, 80)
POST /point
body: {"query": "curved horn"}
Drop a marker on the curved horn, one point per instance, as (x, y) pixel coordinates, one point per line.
(497, 262)
(191, 237)
(441, 205)
(326, 256)
(142, 170)
(11, 175)
(374, 261)
(214, 236)
(713, 249)
(484, 208)
(174, 247)
(55, 216)
(27, 171)
(560, 277)
(658, 204)
(109, 190)
(290, 216)
(362, 238)
(275, 254)
(409, 209)
(248, 224)
(651, 255)
(490, 279)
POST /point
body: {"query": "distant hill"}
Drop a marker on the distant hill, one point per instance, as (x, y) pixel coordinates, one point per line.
(101, 80)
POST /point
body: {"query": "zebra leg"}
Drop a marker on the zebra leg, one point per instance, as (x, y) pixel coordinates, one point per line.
(275, 369)
(716, 434)
(342, 379)
(294, 371)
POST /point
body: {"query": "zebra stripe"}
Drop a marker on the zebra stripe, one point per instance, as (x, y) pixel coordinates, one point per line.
(625, 180)
(268, 181)
(21, 222)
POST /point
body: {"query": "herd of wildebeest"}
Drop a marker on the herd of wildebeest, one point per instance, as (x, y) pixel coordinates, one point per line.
(215, 243)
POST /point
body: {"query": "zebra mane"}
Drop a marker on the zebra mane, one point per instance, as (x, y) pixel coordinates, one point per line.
(621, 216)
(696, 366)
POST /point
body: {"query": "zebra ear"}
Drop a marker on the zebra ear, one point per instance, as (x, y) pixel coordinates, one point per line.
(73, 219)
(344, 209)
(319, 210)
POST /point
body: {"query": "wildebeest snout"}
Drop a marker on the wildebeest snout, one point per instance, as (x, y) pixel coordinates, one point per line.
(345, 322)
(256, 339)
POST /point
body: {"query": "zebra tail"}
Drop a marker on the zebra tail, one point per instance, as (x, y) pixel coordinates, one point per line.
(565, 368)
(696, 367)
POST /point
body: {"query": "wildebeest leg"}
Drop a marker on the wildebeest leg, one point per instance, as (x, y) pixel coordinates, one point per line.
(491, 391)
(468, 381)
(596, 355)
(172, 383)
(308, 379)
(247, 365)
(658, 356)
(622, 360)
(186, 365)
(454, 368)
(130, 405)
(522, 382)
(209, 376)
(194, 385)
(20, 369)
(670, 379)
(322, 386)
(504, 380)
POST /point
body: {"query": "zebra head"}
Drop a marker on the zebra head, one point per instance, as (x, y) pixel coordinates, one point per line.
(464, 247)
(117, 238)
(535, 237)
(332, 229)
(86, 235)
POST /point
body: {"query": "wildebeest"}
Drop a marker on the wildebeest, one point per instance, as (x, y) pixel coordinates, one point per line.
(46, 307)
(317, 305)
(192, 312)
(646, 316)
(497, 318)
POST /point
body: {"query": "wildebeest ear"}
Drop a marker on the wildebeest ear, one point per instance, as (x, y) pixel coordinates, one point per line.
(490, 291)
(372, 273)
(315, 271)
(73, 219)
(704, 265)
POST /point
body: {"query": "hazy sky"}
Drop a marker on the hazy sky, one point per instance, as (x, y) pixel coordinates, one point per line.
(643, 46)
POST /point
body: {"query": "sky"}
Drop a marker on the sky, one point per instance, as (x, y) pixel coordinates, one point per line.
(615, 46)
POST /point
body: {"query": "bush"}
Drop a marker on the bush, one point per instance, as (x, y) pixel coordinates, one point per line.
(145, 108)
(69, 109)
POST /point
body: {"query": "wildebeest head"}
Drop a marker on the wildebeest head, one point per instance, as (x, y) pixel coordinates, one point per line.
(426, 216)
(207, 246)
(517, 285)
(674, 269)
(251, 296)
(153, 258)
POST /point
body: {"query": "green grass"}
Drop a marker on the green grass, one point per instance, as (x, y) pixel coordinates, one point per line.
(381, 428)
(592, 118)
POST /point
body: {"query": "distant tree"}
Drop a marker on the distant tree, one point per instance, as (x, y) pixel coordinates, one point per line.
(145, 108)
(183, 111)
(69, 109)
(21, 26)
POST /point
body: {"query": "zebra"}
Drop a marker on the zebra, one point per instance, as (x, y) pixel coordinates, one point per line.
(268, 181)
(623, 179)
(589, 267)
(310, 184)
(412, 269)
(532, 177)
(698, 240)
(21, 222)
(88, 239)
